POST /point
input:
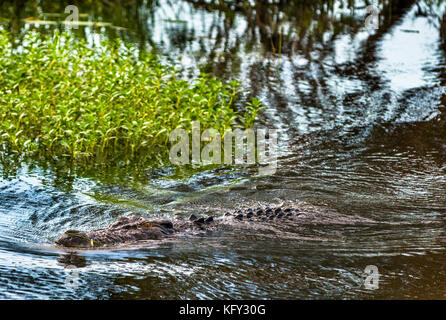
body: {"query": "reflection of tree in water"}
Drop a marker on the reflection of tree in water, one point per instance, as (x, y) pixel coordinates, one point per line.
(285, 26)
(307, 30)
(130, 18)
(282, 27)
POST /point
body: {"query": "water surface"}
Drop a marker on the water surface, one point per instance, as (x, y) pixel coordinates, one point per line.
(362, 123)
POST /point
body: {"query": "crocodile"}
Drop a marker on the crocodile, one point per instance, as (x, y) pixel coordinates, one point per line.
(136, 228)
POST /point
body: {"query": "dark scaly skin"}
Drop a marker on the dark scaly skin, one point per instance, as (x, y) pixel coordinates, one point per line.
(126, 229)
(135, 228)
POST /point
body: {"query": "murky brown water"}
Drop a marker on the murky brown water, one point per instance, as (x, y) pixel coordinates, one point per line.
(362, 132)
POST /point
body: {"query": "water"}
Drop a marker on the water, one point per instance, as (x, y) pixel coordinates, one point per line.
(362, 133)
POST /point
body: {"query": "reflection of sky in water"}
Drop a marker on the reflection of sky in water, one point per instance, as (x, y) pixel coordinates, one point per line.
(406, 55)
(191, 23)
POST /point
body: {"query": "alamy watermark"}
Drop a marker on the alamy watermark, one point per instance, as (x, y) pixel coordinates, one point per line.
(250, 147)
(73, 18)
(371, 281)
(72, 279)
(372, 20)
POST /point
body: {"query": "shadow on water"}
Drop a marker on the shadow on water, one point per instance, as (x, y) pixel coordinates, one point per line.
(362, 123)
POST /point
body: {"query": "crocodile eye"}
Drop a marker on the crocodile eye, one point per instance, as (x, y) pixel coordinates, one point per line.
(72, 238)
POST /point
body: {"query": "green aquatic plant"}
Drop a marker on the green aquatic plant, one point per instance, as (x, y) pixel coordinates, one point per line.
(60, 97)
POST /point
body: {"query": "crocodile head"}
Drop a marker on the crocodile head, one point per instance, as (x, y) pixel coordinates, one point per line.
(74, 238)
(126, 229)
